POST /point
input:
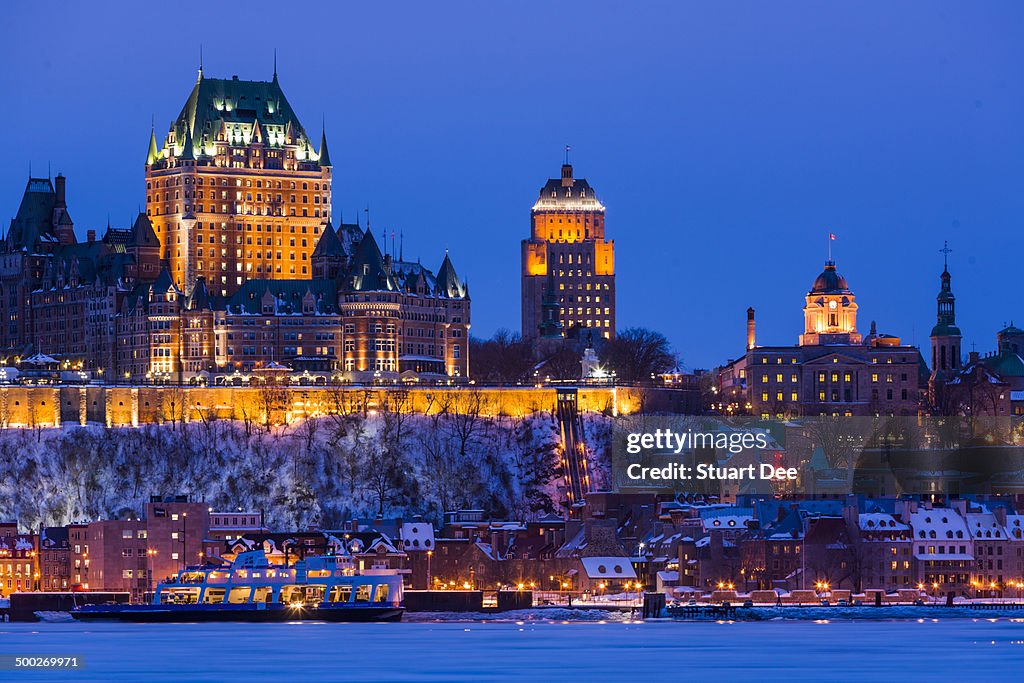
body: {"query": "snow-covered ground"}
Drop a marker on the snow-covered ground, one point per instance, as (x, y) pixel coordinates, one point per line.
(974, 649)
(316, 472)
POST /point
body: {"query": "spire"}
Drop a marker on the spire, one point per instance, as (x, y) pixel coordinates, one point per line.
(153, 153)
(200, 77)
(945, 318)
(325, 156)
(448, 283)
(187, 152)
(275, 65)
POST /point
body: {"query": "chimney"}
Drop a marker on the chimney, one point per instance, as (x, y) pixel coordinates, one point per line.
(972, 357)
(750, 329)
(91, 236)
(567, 180)
(58, 186)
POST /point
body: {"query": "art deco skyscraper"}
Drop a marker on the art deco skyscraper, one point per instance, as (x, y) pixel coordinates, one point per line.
(567, 259)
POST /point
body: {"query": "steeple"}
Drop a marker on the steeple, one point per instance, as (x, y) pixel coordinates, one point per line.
(325, 156)
(153, 153)
(945, 335)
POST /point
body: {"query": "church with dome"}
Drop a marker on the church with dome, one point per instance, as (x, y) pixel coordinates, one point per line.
(833, 369)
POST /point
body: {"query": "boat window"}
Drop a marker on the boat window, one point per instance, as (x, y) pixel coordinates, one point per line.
(291, 594)
(363, 593)
(262, 594)
(180, 596)
(213, 595)
(341, 593)
(382, 593)
(239, 594)
(315, 593)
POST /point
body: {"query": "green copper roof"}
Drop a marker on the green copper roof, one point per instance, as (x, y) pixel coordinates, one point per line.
(154, 153)
(237, 105)
(1005, 364)
(367, 272)
(325, 156)
(943, 330)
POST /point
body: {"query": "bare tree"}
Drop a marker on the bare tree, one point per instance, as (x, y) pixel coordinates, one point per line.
(636, 354)
(466, 419)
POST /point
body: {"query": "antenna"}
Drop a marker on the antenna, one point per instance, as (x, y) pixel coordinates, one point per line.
(567, 148)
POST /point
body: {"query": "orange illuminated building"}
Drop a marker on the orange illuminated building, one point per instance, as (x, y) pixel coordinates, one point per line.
(237, 190)
(568, 277)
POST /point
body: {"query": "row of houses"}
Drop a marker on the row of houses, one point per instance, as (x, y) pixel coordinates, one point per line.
(622, 542)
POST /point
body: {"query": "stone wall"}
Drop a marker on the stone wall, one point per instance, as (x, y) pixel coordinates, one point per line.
(116, 406)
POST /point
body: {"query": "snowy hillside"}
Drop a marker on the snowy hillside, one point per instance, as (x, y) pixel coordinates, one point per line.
(315, 472)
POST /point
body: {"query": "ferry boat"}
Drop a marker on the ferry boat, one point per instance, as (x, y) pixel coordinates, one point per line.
(323, 588)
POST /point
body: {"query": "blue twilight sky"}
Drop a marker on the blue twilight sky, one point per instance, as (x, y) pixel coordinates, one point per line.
(726, 139)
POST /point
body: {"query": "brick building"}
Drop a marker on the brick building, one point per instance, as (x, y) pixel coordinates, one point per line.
(568, 267)
(237, 188)
(234, 268)
(832, 370)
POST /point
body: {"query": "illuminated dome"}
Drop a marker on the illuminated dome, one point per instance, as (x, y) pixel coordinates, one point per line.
(830, 282)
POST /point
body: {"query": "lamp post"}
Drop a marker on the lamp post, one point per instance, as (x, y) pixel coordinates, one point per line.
(150, 554)
(430, 553)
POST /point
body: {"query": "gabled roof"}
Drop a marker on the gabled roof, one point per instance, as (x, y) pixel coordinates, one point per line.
(164, 283)
(199, 299)
(329, 244)
(367, 272)
(142, 234)
(1005, 364)
(286, 295)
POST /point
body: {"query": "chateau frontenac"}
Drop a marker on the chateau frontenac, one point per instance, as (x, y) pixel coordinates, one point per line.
(234, 273)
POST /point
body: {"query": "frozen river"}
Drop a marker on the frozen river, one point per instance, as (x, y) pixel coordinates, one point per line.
(977, 649)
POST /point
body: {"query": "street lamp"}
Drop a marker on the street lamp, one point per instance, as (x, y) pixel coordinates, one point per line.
(430, 553)
(150, 555)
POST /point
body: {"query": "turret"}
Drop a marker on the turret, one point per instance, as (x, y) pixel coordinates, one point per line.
(153, 153)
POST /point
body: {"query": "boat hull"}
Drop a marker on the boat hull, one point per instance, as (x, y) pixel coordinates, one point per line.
(243, 612)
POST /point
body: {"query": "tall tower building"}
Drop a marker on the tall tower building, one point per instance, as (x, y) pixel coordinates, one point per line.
(830, 311)
(945, 335)
(567, 261)
(237, 190)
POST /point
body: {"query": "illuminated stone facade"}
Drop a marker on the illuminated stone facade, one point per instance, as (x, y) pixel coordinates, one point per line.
(833, 370)
(235, 267)
(568, 262)
(237, 189)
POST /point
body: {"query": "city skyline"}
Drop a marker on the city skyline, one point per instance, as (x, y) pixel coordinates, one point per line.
(773, 150)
